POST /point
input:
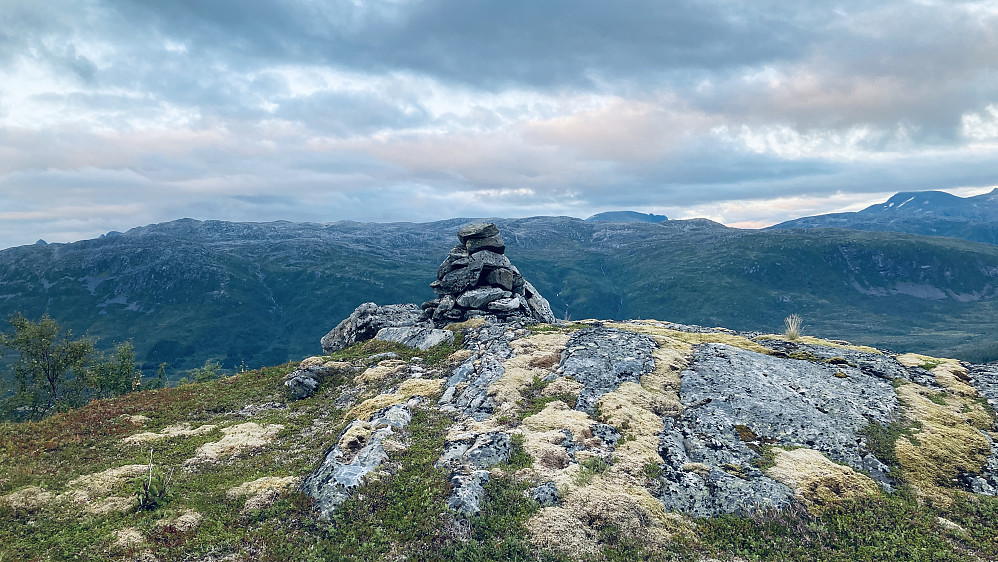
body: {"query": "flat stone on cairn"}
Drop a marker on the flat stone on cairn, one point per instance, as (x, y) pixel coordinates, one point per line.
(476, 278)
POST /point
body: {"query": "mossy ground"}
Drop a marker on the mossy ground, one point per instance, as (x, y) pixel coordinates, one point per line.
(402, 514)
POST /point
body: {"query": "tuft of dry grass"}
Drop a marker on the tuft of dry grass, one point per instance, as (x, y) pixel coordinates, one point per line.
(792, 326)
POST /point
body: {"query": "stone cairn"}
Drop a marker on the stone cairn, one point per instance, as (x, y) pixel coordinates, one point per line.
(477, 279)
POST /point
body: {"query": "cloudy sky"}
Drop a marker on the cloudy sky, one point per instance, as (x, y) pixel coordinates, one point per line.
(119, 113)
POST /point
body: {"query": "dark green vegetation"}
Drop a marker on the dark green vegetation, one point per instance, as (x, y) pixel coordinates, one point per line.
(880, 439)
(889, 527)
(52, 372)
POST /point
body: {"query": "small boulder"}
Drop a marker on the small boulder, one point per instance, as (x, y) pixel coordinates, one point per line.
(547, 494)
(365, 321)
(420, 337)
(492, 243)
(478, 230)
(478, 298)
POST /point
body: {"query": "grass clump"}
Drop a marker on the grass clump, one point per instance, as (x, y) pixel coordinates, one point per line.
(590, 468)
(534, 400)
(792, 326)
(518, 457)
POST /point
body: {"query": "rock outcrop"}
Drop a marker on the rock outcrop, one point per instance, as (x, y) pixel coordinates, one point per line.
(477, 279)
(366, 321)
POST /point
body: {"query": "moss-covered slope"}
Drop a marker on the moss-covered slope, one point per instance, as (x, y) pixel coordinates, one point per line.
(635, 440)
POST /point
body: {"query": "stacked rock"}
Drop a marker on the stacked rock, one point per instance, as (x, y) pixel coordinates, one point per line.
(477, 279)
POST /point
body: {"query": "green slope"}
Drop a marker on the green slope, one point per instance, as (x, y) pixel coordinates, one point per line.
(261, 294)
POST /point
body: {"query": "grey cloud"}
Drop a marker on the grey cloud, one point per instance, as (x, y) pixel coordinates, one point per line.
(554, 43)
(180, 108)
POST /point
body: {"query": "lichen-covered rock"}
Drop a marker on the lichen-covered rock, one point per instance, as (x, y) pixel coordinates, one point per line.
(467, 492)
(305, 380)
(603, 358)
(345, 466)
(365, 322)
(546, 494)
(985, 380)
(466, 390)
(738, 401)
(420, 337)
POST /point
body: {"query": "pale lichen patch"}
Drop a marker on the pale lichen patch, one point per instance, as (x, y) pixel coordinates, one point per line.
(179, 430)
(237, 438)
(186, 521)
(557, 416)
(355, 436)
(535, 357)
(30, 498)
(102, 483)
(408, 389)
(381, 371)
(563, 386)
(262, 492)
(949, 373)
(818, 482)
(136, 420)
(94, 491)
(811, 340)
(129, 537)
(682, 341)
(558, 529)
(572, 528)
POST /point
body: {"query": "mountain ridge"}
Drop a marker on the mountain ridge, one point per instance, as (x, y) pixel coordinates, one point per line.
(929, 213)
(255, 293)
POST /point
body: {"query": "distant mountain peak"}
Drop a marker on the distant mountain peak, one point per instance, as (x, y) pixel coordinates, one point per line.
(933, 213)
(627, 216)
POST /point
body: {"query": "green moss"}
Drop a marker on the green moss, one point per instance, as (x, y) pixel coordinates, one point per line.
(930, 364)
(880, 439)
(804, 356)
(937, 398)
(751, 440)
(838, 361)
(534, 401)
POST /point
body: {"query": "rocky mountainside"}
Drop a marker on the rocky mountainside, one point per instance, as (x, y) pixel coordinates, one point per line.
(931, 213)
(627, 216)
(261, 294)
(519, 440)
